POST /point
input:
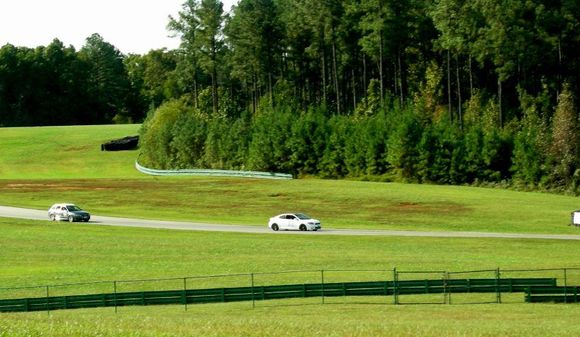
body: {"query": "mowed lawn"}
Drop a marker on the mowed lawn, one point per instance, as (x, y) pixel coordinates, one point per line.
(64, 152)
(302, 320)
(41, 253)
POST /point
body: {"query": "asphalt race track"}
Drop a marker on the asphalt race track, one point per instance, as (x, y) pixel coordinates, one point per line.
(31, 214)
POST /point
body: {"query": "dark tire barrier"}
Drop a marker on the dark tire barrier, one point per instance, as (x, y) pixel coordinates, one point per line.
(122, 144)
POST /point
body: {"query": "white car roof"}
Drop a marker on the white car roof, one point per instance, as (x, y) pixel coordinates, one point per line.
(289, 214)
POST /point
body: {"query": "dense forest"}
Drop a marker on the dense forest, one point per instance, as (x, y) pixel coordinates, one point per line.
(443, 91)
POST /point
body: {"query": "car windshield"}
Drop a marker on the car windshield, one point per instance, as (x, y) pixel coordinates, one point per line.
(73, 208)
(302, 216)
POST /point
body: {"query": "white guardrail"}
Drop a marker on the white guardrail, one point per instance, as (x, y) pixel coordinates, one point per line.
(215, 173)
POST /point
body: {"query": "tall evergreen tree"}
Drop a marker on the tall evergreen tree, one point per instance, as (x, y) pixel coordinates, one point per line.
(108, 85)
(255, 36)
(564, 137)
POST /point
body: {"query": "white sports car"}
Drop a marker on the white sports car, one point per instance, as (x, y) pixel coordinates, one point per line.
(294, 221)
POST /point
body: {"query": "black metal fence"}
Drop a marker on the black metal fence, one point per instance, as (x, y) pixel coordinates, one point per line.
(318, 286)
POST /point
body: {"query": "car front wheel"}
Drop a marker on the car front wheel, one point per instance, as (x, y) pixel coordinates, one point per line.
(52, 217)
(275, 227)
(303, 228)
(71, 218)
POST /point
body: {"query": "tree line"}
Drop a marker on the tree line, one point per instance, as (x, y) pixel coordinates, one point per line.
(398, 143)
(424, 85)
(57, 85)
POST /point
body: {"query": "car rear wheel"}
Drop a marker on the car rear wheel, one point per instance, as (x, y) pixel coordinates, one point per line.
(303, 228)
(71, 218)
(275, 227)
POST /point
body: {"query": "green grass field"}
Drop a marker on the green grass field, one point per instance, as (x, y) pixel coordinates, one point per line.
(333, 320)
(64, 152)
(41, 252)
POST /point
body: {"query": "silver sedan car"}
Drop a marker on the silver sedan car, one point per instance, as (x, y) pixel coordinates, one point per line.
(68, 212)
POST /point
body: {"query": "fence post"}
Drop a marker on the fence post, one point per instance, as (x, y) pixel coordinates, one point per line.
(47, 300)
(497, 286)
(528, 295)
(322, 292)
(446, 289)
(115, 294)
(185, 292)
(253, 296)
(565, 286)
(395, 286)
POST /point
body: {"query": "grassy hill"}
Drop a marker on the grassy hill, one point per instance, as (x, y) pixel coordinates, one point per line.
(41, 252)
(64, 152)
(40, 166)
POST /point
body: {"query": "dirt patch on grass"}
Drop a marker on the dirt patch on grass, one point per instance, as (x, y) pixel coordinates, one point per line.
(81, 148)
(30, 187)
(418, 207)
(278, 195)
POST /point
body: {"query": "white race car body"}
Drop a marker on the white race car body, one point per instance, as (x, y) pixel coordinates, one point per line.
(294, 221)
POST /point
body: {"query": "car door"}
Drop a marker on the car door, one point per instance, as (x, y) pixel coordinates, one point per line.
(293, 222)
(283, 221)
(288, 221)
(63, 212)
(54, 211)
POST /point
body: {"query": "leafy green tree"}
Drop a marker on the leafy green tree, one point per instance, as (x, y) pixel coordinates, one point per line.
(107, 82)
(442, 154)
(269, 148)
(186, 26)
(532, 142)
(451, 18)
(355, 148)
(210, 42)
(564, 149)
(307, 142)
(497, 155)
(255, 36)
(151, 75)
(377, 135)
(372, 25)
(301, 56)
(332, 164)
(157, 135)
(473, 162)
(235, 143)
(188, 139)
(403, 143)
(200, 27)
